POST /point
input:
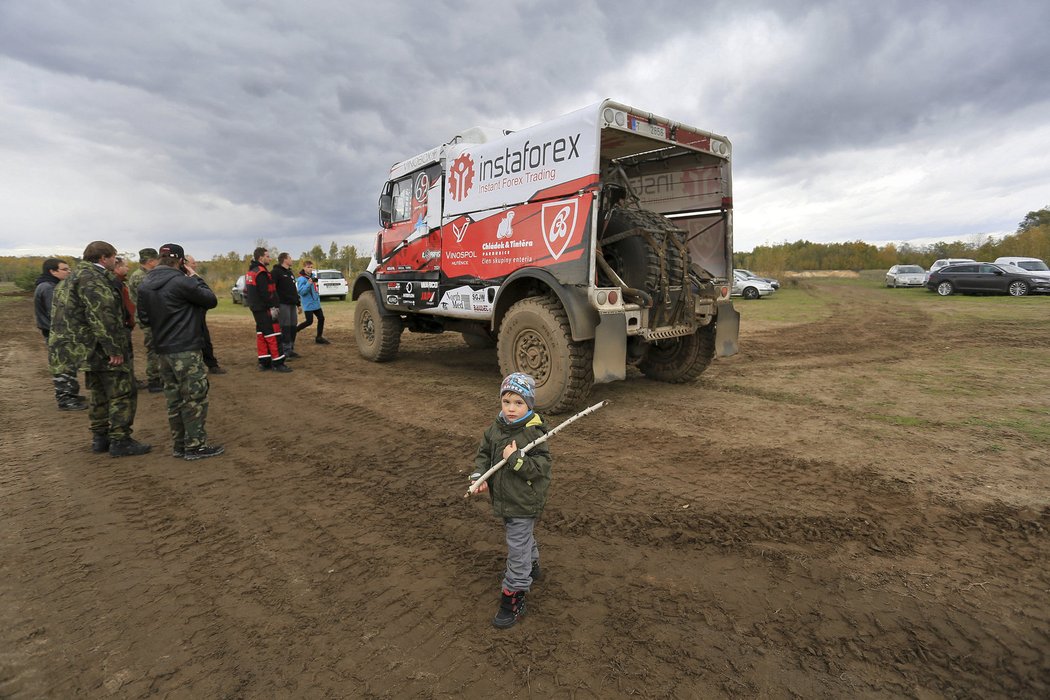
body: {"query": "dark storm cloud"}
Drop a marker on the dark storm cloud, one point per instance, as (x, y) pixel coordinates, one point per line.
(281, 121)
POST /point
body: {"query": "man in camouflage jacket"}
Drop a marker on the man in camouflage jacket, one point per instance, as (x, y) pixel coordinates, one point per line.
(64, 379)
(148, 260)
(88, 332)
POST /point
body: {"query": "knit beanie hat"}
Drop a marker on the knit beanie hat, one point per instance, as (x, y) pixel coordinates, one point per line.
(521, 384)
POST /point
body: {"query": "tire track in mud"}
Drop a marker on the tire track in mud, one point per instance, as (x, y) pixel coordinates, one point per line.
(340, 558)
(682, 533)
(855, 331)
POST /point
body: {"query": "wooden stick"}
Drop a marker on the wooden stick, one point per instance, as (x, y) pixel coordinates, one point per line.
(543, 438)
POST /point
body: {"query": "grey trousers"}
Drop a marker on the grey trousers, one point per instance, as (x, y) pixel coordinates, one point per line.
(521, 552)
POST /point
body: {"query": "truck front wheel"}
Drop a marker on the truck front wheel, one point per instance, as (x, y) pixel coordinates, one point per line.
(682, 359)
(378, 336)
(535, 338)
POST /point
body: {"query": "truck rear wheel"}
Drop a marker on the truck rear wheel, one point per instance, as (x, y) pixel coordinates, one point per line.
(378, 336)
(535, 338)
(682, 359)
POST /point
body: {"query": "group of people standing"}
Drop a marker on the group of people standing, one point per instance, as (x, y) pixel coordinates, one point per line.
(86, 314)
(274, 298)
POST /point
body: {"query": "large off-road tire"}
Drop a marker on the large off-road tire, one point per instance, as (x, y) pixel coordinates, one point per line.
(378, 335)
(535, 338)
(637, 258)
(682, 359)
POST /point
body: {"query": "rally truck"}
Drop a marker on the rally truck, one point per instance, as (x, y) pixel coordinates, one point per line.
(577, 247)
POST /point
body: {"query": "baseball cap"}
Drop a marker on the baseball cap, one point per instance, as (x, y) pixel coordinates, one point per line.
(172, 250)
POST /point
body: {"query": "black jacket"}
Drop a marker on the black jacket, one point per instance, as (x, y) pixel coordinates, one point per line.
(284, 280)
(173, 306)
(259, 291)
(42, 296)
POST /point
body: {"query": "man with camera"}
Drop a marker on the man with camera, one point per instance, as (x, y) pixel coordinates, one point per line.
(172, 303)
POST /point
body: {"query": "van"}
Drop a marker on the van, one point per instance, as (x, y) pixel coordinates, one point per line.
(1030, 264)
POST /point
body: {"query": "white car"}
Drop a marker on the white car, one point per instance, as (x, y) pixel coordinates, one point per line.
(1030, 264)
(750, 287)
(906, 276)
(938, 264)
(331, 283)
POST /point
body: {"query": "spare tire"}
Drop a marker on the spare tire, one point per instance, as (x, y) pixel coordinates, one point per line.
(651, 259)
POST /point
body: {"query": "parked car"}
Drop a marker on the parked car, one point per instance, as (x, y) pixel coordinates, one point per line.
(331, 283)
(938, 264)
(772, 282)
(750, 287)
(906, 276)
(1030, 264)
(237, 291)
(987, 278)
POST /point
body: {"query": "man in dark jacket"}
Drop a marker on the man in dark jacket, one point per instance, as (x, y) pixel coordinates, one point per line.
(67, 389)
(288, 302)
(260, 294)
(87, 330)
(172, 303)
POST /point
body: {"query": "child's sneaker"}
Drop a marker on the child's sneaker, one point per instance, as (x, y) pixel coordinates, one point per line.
(511, 609)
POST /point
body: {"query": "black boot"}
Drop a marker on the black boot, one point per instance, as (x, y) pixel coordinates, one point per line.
(537, 573)
(204, 452)
(511, 609)
(128, 447)
(99, 442)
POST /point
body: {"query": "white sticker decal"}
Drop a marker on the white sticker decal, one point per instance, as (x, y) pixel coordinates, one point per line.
(559, 223)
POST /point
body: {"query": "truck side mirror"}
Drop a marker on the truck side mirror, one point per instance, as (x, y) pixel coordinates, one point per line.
(386, 209)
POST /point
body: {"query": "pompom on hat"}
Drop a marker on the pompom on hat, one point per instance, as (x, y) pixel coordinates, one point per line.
(521, 384)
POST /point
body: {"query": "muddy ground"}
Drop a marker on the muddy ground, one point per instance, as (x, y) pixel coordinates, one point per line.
(850, 507)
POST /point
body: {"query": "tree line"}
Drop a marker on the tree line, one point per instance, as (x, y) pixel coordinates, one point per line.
(220, 272)
(1032, 239)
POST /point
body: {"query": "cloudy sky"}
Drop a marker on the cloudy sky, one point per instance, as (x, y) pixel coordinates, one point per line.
(217, 123)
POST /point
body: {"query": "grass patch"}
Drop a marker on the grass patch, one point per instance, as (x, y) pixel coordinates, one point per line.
(906, 421)
(787, 305)
(1035, 429)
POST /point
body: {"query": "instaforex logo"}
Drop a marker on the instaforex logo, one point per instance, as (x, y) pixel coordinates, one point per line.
(531, 156)
(461, 177)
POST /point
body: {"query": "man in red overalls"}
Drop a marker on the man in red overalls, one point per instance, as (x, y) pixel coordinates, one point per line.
(260, 293)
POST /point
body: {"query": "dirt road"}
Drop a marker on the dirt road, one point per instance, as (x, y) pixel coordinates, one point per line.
(855, 507)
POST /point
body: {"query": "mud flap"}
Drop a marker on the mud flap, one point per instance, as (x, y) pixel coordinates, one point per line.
(610, 349)
(727, 330)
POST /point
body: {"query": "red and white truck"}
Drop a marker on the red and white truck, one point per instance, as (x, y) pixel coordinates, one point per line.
(576, 247)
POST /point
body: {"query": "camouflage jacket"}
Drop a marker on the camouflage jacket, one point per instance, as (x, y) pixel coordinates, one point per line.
(87, 320)
(134, 280)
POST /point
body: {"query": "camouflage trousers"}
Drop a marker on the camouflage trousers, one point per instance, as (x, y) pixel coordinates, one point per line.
(67, 388)
(64, 379)
(185, 378)
(152, 359)
(114, 399)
